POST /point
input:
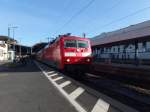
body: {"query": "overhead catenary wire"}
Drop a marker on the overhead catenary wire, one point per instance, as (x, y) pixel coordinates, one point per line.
(106, 11)
(123, 18)
(66, 5)
(75, 15)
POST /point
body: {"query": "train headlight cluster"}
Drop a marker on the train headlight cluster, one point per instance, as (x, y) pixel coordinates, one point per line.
(88, 60)
(67, 60)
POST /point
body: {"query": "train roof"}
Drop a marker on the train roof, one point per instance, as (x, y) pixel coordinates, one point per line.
(130, 32)
(64, 37)
(73, 37)
(67, 37)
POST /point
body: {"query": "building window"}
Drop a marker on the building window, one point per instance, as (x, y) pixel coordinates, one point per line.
(102, 50)
(118, 49)
(144, 46)
(148, 46)
(114, 49)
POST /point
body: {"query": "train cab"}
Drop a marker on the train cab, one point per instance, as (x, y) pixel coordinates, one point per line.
(76, 52)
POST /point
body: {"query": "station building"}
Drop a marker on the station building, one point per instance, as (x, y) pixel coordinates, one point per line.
(127, 45)
(10, 49)
(6, 53)
(3, 50)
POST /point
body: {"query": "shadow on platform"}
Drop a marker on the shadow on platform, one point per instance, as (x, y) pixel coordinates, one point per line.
(26, 66)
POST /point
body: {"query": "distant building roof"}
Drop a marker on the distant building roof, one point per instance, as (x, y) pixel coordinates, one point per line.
(131, 32)
(6, 38)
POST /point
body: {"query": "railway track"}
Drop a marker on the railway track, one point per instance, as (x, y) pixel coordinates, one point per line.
(124, 84)
(130, 95)
(132, 76)
(137, 98)
(132, 83)
(127, 94)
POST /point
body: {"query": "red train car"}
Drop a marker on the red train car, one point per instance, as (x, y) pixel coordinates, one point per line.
(68, 53)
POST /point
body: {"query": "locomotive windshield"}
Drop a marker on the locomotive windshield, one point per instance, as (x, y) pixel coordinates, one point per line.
(82, 44)
(76, 44)
(70, 44)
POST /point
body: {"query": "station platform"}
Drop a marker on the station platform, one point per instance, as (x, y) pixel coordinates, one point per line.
(138, 73)
(35, 87)
(23, 88)
(128, 66)
(142, 67)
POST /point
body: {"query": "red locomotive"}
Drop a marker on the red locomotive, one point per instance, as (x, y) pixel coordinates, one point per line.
(68, 53)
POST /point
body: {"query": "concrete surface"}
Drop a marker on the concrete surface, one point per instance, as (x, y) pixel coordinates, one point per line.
(25, 89)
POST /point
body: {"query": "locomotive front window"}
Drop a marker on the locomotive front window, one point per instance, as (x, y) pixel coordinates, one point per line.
(70, 44)
(82, 44)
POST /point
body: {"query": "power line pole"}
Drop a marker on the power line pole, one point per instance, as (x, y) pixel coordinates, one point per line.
(8, 31)
(20, 49)
(13, 28)
(8, 39)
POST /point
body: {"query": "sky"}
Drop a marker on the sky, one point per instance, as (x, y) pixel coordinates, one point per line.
(38, 20)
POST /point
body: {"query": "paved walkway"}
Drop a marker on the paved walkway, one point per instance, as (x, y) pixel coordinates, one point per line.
(25, 89)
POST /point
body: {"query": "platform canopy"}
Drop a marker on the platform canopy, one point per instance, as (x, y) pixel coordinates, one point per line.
(37, 47)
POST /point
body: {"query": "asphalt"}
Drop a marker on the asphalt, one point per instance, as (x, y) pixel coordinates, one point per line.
(25, 89)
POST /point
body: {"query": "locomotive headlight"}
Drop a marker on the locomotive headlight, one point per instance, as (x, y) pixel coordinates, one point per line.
(78, 50)
(68, 60)
(88, 60)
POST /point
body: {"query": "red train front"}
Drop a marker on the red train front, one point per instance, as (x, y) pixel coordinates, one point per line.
(68, 53)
